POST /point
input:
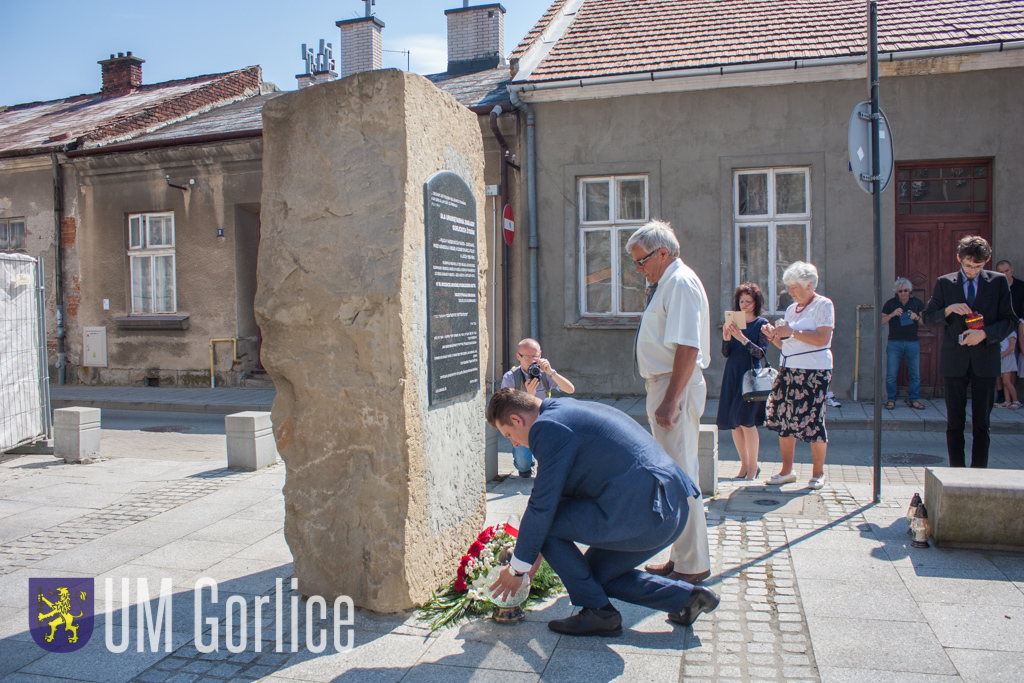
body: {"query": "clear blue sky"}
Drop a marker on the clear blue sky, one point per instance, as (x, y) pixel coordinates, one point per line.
(49, 48)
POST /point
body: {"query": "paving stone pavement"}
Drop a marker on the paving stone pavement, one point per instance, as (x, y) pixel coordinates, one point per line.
(815, 586)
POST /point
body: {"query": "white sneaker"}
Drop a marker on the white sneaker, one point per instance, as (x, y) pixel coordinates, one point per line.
(780, 479)
(816, 482)
(831, 401)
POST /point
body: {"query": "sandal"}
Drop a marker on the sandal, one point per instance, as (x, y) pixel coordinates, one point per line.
(890, 405)
(916, 405)
(1015, 405)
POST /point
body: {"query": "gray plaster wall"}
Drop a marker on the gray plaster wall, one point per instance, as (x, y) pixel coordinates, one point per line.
(689, 143)
(213, 274)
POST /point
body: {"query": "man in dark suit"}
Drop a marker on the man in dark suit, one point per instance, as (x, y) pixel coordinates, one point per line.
(970, 356)
(603, 481)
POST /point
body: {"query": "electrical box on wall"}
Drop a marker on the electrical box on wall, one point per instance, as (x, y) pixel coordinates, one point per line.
(94, 347)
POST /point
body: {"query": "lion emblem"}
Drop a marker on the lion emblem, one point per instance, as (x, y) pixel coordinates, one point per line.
(60, 612)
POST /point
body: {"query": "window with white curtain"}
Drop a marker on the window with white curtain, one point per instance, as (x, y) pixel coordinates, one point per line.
(151, 256)
(12, 234)
(611, 208)
(772, 228)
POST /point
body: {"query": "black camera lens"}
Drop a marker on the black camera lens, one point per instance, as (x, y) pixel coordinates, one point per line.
(534, 371)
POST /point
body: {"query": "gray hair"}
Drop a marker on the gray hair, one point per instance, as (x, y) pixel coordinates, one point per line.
(902, 281)
(800, 272)
(655, 235)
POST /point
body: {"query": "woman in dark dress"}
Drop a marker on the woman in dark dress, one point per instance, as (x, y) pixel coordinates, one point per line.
(743, 348)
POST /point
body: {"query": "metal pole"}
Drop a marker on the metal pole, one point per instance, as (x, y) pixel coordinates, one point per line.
(876, 209)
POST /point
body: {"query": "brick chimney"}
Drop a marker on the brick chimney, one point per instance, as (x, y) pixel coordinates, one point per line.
(121, 74)
(362, 46)
(476, 38)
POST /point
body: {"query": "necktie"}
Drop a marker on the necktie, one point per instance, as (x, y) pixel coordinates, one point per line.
(970, 293)
(650, 295)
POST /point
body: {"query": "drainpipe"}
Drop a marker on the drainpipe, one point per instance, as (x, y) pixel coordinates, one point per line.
(495, 113)
(856, 355)
(531, 198)
(58, 211)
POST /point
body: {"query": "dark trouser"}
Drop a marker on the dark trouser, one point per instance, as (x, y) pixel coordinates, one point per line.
(982, 398)
(607, 569)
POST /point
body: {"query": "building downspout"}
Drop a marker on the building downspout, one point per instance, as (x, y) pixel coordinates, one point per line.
(856, 356)
(58, 295)
(503, 190)
(531, 198)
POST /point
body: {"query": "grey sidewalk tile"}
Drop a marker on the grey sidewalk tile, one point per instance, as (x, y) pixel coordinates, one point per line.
(240, 575)
(273, 548)
(553, 608)
(16, 627)
(83, 495)
(944, 562)
(573, 666)
(525, 647)
(963, 591)
(887, 646)
(1011, 565)
(376, 657)
(196, 514)
(89, 559)
(847, 598)
(148, 533)
(269, 510)
(15, 654)
(983, 627)
(987, 666)
(32, 678)
(439, 673)
(815, 563)
(831, 674)
(644, 631)
(240, 497)
(95, 663)
(234, 530)
(185, 554)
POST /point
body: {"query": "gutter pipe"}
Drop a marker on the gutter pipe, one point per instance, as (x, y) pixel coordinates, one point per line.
(494, 114)
(58, 212)
(167, 142)
(531, 194)
(856, 355)
(516, 88)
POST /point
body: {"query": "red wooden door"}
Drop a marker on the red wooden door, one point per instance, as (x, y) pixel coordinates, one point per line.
(937, 203)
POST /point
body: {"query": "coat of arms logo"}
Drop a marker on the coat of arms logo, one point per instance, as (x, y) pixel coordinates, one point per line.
(61, 613)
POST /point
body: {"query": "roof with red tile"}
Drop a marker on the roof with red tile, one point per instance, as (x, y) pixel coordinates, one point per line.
(610, 37)
(92, 120)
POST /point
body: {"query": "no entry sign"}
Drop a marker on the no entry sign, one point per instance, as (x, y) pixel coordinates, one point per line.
(508, 224)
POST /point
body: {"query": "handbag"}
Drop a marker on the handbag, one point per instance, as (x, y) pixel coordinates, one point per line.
(758, 382)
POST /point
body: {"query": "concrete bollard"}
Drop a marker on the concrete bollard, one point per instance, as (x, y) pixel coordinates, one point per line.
(707, 458)
(250, 438)
(76, 434)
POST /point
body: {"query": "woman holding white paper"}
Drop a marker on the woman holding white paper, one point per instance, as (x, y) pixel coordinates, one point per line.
(796, 406)
(743, 347)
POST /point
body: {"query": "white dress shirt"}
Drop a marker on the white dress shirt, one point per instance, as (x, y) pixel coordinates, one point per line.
(677, 315)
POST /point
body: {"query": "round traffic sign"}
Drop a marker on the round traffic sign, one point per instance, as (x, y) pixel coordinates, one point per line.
(860, 147)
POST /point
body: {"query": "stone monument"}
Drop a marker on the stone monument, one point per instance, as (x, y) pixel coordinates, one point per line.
(372, 216)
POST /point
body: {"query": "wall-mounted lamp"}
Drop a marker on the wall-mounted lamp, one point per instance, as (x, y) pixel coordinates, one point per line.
(186, 188)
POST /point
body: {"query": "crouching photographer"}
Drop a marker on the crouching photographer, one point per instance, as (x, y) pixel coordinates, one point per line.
(534, 376)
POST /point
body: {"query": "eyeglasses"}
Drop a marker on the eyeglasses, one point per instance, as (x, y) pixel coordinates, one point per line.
(902, 291)
(642, 261)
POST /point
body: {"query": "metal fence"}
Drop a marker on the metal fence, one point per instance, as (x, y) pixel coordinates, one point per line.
(24, 374)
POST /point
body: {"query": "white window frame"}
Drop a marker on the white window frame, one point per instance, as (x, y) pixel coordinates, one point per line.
(614, 226)
(5, 226)
(771, 219)
(140, 249)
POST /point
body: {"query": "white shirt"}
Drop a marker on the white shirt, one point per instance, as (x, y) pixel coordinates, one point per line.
(678, 315)
(819, 313)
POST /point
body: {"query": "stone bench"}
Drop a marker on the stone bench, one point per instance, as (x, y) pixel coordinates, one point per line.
(250, 440)
(707, 458)
(76, 434)
(975, 508)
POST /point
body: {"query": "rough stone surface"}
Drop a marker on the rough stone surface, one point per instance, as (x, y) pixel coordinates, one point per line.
(979, 508)
(383, 492)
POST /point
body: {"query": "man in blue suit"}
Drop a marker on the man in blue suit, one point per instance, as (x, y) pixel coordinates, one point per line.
(602, 481)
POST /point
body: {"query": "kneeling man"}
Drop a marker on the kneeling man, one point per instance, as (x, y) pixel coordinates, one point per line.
(602, 481)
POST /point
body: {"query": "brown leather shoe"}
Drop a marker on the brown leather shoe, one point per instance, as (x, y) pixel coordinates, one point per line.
(690, 578)
(660, 569)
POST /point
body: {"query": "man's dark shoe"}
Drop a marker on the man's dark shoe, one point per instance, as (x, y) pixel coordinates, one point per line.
(591, 622)
(660, 569)
(690, 578)
(526, 474)
(701, 600)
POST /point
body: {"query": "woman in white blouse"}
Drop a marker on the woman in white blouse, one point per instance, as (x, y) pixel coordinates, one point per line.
(796, 406)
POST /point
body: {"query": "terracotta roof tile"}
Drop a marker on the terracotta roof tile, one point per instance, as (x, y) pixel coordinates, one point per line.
(629, 36)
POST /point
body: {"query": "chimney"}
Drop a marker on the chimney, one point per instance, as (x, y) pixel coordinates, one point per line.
(121, 74)
(362, 47)
(319, 66)
(476, 38)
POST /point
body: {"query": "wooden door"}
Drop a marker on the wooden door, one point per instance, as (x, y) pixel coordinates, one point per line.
(937, 203)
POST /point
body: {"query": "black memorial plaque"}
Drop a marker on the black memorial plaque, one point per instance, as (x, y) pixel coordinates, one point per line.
(453, 315)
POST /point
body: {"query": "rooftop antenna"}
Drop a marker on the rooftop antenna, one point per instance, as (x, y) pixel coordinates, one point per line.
(369, 7)
(465, 3)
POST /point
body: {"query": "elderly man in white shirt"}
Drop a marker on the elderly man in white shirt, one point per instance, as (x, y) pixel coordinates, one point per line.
(673, 347)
